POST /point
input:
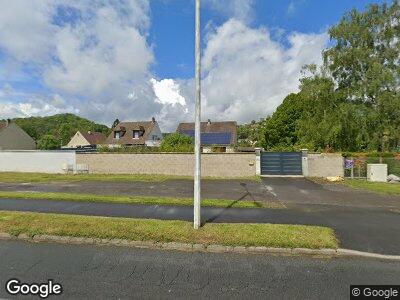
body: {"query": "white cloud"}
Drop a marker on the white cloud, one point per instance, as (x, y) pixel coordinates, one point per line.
(98, 54)
(238, 9)
(167, 92)
(92, 53)
(294, 6)
(25, 28)
(247, 74)
(34, 107)
(93, 58)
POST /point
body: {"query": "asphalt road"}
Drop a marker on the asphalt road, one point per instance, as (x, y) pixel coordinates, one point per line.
(90, 272)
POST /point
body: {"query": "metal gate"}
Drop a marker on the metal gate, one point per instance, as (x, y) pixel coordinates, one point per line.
(281, 163)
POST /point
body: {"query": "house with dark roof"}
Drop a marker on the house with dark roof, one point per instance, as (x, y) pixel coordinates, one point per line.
(13, 137)
(86, 139)
(215, 136)
(144, 133)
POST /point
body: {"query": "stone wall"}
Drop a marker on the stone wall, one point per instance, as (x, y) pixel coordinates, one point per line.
(325, 165)
(182, 164)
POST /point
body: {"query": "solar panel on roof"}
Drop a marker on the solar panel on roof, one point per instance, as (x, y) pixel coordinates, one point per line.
(211, 138)
(216, 138)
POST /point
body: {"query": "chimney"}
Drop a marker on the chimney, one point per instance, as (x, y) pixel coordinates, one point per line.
(208, 122)
(153, 119)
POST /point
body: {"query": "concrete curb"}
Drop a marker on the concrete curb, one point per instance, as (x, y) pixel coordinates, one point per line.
(197, 247)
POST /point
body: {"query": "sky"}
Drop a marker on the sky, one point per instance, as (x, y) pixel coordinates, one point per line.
(134, 59)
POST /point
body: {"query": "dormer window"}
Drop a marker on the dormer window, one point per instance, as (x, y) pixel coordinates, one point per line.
(137, 134)
(117, 135)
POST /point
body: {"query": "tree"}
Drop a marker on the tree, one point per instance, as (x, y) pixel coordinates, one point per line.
(281, 129)
(352, 102)
(364, 63)
(65, 133)
(115, 123)
(251, 134)
(61, 126)
(48, 142)
(176, 142)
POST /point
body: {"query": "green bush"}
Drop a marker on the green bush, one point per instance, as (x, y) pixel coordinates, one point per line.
(48, 142)
(176, 142)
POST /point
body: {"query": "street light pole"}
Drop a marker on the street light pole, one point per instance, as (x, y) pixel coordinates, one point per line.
(197, 132)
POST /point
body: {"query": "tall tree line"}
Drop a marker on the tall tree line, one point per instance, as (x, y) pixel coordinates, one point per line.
(351, 102)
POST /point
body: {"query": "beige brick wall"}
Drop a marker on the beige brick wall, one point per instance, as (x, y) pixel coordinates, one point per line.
(213, 165)
(325, 165)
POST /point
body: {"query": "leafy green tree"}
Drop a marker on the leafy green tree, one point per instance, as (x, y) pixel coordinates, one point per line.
(65, 133)
(251, 134)
(365, 65)
(115, 123)
(176, 142)
(352, 102)
(48, 142)
(281, 129)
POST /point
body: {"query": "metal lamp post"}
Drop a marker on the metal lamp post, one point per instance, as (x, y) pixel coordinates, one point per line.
(197, 135)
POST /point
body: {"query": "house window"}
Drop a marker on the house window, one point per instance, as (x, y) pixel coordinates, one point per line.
(117, 135)
(136, 134)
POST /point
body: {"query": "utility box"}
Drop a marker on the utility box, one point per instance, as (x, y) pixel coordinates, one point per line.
(377, 172)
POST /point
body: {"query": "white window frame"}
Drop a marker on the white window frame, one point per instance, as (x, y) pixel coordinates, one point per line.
(136, 132)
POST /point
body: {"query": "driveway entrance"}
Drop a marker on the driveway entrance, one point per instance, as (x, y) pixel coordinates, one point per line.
(281, 163)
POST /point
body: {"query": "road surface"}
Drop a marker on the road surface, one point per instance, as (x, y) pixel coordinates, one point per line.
(117, 272)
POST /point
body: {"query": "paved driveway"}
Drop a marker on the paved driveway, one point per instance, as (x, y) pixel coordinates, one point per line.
(302, 193)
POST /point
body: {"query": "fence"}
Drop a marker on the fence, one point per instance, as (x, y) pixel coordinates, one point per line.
(359, 169)
(36, 161)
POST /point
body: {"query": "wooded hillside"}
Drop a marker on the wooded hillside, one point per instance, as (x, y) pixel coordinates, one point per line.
(57, 130)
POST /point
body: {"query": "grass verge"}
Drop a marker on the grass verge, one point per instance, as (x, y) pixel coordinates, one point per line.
(269, 235)
(13, 177)
(377, 187)
(137, 199)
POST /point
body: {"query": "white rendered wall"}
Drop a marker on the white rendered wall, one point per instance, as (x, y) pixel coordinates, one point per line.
(36, 161)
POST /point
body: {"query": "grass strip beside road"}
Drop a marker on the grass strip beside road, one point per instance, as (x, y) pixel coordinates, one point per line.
(14, 177)
(269, 235)
(136, 199)
(377, 187)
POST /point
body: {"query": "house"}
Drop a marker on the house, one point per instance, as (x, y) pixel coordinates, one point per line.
(215, 136)
(13, 137)
(86, 139)
(135, 134)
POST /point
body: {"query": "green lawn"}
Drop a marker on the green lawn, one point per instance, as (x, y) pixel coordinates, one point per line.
(377, 187)
(270, 235)
(137, 199)
(14, 177)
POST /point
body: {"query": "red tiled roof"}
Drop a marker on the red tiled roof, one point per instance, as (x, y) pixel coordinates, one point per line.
(94, 138)
(126, 129)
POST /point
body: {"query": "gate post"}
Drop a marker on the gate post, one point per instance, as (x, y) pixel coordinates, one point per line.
(304, 162)
(258, 160)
